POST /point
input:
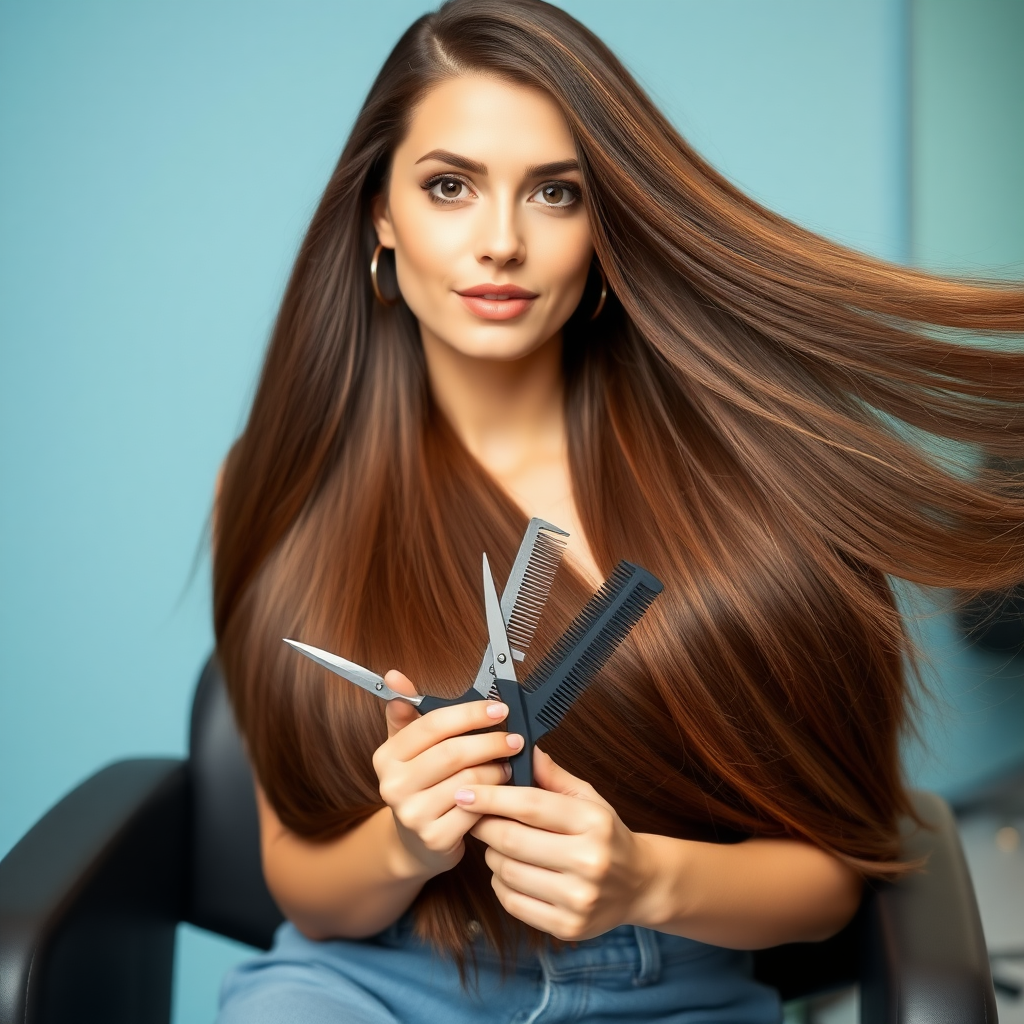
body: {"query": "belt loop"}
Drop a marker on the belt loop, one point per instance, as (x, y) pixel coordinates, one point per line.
(649, 969)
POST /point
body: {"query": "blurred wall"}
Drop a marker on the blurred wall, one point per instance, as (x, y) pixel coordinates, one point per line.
(967, 216)
(158, 164)
(967, 71)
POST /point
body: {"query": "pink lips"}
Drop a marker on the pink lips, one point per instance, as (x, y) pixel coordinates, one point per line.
(497, 301)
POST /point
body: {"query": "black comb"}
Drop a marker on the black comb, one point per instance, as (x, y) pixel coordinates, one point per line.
(540, 704)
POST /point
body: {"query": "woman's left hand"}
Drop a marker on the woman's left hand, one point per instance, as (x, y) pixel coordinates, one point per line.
(562, 860)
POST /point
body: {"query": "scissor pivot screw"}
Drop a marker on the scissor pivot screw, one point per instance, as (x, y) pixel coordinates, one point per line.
(501, 659)
(378, 686)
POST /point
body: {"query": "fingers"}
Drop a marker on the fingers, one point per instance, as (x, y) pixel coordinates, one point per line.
(533, 845)
(400, 683)
(444, 835)
(543, 916)
(439, 764)
(429, 730)
(431, 803)
(452, 755)
(561, 890)
(398, 715)
(553, 812)
(434, 817)
(560, 904)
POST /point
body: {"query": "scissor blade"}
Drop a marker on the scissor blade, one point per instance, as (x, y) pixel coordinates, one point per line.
(529, 581)
(352, 672)
(504, 667)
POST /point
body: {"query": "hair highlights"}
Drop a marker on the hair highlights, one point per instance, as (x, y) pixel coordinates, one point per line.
(745, 418)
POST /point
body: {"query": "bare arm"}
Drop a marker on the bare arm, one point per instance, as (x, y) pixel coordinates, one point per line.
(750, 895)
(563, 861)
(351, 887)
(360, 883)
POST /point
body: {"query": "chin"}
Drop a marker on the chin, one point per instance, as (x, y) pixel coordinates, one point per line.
(481, 340)
(493, 345)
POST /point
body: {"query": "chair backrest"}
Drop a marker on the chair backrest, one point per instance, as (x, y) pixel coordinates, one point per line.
(227, 892)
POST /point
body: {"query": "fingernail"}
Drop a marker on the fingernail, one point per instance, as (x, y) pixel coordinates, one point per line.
(514, 740)
(496, 710)
(464, 796)
(508, 769)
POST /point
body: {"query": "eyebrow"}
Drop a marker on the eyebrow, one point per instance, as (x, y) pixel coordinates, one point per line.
(534, 171)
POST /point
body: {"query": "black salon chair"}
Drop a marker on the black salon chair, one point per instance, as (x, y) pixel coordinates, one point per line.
(90, 897)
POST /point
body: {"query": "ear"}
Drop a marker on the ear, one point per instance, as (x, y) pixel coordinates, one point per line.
(380, 212)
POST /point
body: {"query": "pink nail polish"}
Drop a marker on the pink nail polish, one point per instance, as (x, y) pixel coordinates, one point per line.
(464, 796)
(497, 710)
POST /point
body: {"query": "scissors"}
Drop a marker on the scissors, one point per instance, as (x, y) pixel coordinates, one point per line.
(552, 688)
(509, 691)
(544, 699)
(522, 601)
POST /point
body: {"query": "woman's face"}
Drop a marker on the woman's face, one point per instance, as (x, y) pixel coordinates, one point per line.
(484, 212)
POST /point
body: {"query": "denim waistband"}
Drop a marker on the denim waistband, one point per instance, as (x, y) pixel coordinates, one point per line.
(637, 950)
(640, 951)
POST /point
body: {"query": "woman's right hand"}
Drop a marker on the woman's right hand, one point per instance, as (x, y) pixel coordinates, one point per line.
(426, 759)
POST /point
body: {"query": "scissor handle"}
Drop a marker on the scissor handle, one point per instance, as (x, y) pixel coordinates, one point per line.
(522, 766)
(432, 703)
(518, 721)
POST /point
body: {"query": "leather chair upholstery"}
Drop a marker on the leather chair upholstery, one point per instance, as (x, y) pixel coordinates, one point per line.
(227, 894)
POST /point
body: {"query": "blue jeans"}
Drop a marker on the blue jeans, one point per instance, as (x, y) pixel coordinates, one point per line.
(627, 974)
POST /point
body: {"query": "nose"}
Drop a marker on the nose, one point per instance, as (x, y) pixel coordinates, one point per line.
(500, 241)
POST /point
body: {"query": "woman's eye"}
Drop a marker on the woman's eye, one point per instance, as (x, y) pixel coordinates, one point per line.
(556, 194)
(448, 190)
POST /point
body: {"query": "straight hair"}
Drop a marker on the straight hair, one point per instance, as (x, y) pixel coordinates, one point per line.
(773, 424)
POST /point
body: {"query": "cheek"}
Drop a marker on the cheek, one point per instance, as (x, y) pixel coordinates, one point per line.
(417, 267)
(428, 253)
(566, 262)
(426, 250)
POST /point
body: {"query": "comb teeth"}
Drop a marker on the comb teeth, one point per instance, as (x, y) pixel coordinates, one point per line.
(577, 629)
(534, 588)
(588, 643)
(593, 659)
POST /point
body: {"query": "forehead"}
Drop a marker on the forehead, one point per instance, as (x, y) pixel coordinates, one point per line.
(489, 120)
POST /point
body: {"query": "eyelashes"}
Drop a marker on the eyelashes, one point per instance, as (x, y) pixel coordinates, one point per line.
(557, 191)
(435, 186)
(559, 195)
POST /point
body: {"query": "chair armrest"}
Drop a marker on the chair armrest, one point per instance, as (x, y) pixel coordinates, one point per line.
(89, 900)
(924, 959)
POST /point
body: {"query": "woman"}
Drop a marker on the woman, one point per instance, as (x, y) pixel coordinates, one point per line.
(524, 294)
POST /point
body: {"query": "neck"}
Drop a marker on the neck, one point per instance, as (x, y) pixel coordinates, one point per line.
(506, 412)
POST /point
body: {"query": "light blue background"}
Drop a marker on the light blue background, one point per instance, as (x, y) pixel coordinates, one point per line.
(158, 164)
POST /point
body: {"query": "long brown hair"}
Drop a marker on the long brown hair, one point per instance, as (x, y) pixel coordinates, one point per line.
(771, 423)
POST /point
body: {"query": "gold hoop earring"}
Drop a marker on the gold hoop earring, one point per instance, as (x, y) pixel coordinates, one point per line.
(373, 278)
(604, 293)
